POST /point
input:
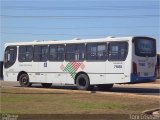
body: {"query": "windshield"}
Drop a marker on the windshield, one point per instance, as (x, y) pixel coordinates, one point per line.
(145, 47)
(10, 56)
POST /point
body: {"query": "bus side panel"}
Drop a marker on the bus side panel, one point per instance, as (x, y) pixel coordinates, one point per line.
(10, 74)
(55, 72)
(32, 77)
(29, 68)
(105, 73)
(128, 62)
(96, 71)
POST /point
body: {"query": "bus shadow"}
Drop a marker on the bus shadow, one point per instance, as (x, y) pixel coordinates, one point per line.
(141, 91)
(56, 87)
(37, 93)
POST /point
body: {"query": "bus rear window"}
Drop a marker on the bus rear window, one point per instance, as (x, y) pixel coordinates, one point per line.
(145, 47)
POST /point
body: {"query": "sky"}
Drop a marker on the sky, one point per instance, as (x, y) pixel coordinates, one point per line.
(29, 20)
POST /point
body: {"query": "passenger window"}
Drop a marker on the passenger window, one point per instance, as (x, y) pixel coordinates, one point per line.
(56, 52)
(101, 52)
(10, 56)
(40, 53)
(91, 51)
(60, 52)
(25, 53)
(118, 51)
(75, 52)
(96, 51)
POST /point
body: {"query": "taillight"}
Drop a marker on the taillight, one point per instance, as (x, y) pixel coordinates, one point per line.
(134, 68)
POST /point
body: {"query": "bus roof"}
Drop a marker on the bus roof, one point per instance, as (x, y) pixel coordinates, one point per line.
(75, 40)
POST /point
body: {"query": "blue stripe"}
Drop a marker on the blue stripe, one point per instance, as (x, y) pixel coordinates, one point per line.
(137, 79)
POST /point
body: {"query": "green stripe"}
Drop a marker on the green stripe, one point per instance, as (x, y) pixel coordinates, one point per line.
(65, 69)
(70, 69)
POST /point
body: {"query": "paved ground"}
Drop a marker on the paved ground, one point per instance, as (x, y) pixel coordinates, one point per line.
(150, 89)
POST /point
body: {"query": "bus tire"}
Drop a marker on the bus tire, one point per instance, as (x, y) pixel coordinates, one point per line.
(106, 87)
(24, 80)
(82, 82)
(46, 85)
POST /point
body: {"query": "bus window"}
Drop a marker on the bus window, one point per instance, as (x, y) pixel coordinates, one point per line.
(101, 52)
(56, 53)
(145, 47)
(75, 52)
(91, 51)
(25, 53)
(40, 53)
(96, 51)
(10, 56)
(117, 51)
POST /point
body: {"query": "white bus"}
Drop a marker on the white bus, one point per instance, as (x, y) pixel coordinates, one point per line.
(84, 63)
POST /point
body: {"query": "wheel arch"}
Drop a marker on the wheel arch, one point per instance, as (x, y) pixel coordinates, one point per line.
(20, 73)
(81, 72)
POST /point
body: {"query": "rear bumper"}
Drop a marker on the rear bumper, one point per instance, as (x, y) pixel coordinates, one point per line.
(137, 79)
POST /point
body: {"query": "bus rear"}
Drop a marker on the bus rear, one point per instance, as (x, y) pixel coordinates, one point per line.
(143, 60)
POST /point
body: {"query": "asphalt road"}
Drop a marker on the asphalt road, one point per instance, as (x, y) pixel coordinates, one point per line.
(140, 89)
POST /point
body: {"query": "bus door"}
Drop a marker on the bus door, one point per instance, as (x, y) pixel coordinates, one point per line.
(117, 59)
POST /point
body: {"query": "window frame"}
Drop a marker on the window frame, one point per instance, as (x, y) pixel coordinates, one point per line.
(25, 53)
(40, 54)
(56, 52)
(136, 39)
(97, 43)
(74, 53)
(118, 42)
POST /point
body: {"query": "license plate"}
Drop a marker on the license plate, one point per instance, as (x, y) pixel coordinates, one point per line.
(145, 74)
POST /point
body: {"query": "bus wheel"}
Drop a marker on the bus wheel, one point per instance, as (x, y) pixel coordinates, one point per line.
(24, 80)
(105, 87)
(46, 85)
(82, 82)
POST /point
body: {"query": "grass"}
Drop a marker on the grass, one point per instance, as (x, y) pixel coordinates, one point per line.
(33, 101)
(91, 105)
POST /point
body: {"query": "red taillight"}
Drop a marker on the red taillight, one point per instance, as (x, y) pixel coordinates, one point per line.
(134, 68)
